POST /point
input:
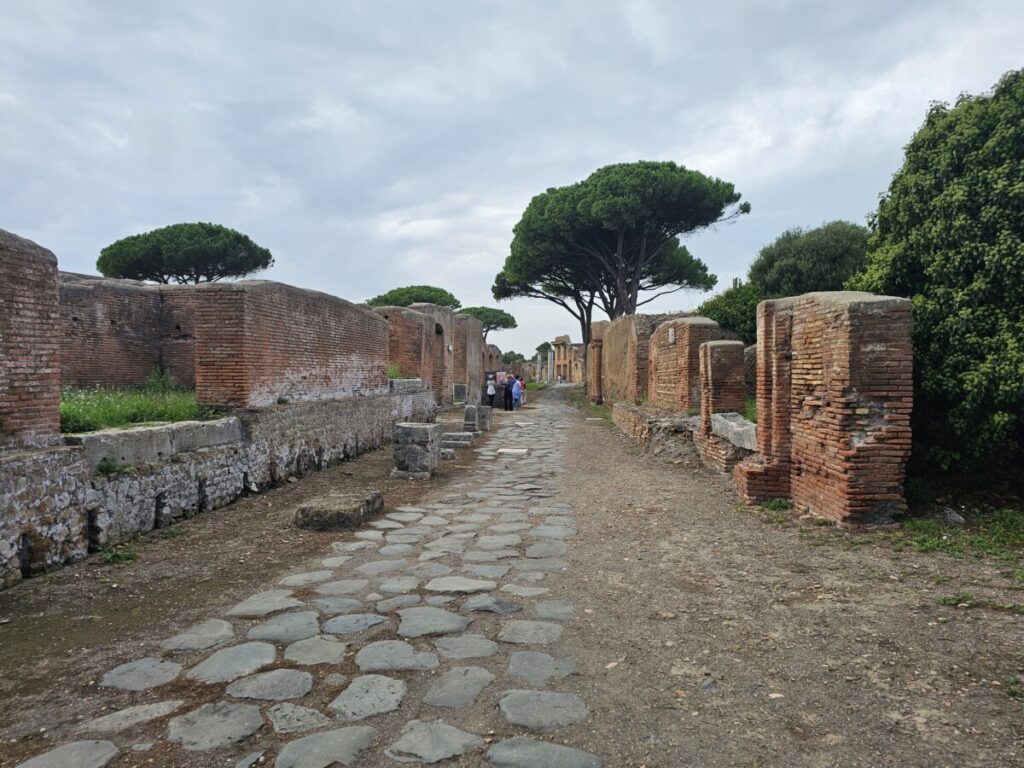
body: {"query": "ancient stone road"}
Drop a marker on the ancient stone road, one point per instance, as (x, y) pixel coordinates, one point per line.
(429, 637)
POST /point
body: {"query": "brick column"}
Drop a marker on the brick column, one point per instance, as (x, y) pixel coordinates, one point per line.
(721, 380)
(29, 345)
(594, 371)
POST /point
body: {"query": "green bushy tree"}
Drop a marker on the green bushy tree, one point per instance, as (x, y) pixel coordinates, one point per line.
(735, 309)
(820, 259)
(184, 253)
(415, 294)
(949, 234)
(492, 319)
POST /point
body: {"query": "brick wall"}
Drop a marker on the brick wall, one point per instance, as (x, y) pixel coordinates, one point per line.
(624, 356)
(835, 393)
(29, 345)
(442, 347)
(721, 391)
(409, 341)
(673, 370)
(259, 343)
(492, 358)
(468, 356)
(594, 352)
(117, 332)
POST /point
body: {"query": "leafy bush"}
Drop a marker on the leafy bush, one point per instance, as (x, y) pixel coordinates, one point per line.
(821, 259)
(949, 234)
(735, 309)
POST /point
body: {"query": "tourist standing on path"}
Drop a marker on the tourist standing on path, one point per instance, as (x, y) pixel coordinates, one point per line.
(522, 384)
(508, 393)
(517, 395)
(490, 392)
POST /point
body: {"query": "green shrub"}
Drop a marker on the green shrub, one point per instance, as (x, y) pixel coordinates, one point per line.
(735, 309)
(394, 372)
(949, 234)
(158, 399)
(750, 410)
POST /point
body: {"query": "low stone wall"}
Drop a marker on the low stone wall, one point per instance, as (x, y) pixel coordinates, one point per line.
(57, 508)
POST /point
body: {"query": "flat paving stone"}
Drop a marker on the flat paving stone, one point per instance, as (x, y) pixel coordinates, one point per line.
(305, 579)
(386, 655)
(369, 535)
(323, 750)
(429, 570)
(542, 710)
(563, 520)
(343, 587)
(265, 603)
(460, 584)
(287, 627)
(350, 546)
(522, 632)
(423, 742)
(552, 532)
(555, 610)
(473, 517)
(500, 541)
(520, 591)
(352, 622)
(385, 525)
(129, 717)
(463, 528)
(404, 538)
(400, 601)
(275, 685)
(447, 544)
(233, 662)
(491, 604)
(321, 649)
(369, 695)
(337, 561)
(338, 605)
(428, 620)
(380, 567)
(405, 517)
(433, 520)
(291, 718)
(439, 600)
(537, 668)
(458, 687)
(541, 564)
(77, 754)
(486, 571)
(509, 527)
(429, 555)
(141, 675)
(397, 585)
(489, 555)
(199, 637)
(544, 549)
(524, 752)
(396, 550)
(215, 725)
(465, 647)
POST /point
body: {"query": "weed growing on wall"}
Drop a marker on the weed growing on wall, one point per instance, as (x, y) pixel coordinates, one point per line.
(159, 399)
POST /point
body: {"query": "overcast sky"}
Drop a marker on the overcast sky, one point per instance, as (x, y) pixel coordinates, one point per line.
(377, 144)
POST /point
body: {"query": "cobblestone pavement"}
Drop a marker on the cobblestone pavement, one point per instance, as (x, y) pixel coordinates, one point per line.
(430, 636)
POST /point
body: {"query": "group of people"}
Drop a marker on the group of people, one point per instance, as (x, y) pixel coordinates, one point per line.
(515, 392)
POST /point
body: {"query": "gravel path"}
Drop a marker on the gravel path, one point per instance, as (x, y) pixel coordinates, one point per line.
(570, 602)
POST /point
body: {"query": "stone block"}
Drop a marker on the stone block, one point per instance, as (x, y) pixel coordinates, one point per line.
(339, 511)
(457, 440)
(471, 419)
(736, 429)
(416, 449)
(483, 416)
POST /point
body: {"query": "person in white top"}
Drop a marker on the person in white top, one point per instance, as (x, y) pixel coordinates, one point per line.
(491, 391)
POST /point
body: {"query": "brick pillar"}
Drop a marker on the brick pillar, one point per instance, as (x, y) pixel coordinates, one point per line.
(765, 475)
(594, 371)
(222, 350)
(29, 345)
(851, 398)
(721, 380)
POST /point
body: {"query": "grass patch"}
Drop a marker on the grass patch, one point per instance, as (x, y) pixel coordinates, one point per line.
(1014, 688)
(998, 534)
(109, 466)
(533, 386)
(172, 532)
(750, 410)
(158, 399)
(960, 598)
(778, 505)
(579, 399)
(118, 555)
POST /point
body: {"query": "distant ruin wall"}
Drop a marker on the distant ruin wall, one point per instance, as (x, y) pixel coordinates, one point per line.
(468, 358)
(409, 341)
(674, 362)
(56, 507)
(29, 345)
(260, 343)
(442, 350)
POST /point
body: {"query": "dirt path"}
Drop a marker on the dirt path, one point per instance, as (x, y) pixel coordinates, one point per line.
(617, 606)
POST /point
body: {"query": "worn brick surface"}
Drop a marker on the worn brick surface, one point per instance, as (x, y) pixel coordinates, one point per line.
(673, 370)
(29, 344)
(442, 346)
(410, 345)
(260, 343)
(625, 354)
(594, 353)
(468, 356)
(721, 391)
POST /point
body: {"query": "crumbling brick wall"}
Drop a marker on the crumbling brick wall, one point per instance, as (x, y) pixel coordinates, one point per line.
(492, 358)
(625, 354)
(260, 343)
(594, 353)
(468, 357)
(721, 391)
(834, 404)
(442, 347)
(117, 332)
(674, 364)
(409, 342)
(29, 345)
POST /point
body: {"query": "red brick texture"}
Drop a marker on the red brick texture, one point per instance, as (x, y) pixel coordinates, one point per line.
(259, 343)
(468, 356)
(844, 425)
(492, 358)
(442, 347)
(410, 347)
(673, 369)
(721, 391)
(29, 345)
(625, 354)
(594, 352)
(117, 332)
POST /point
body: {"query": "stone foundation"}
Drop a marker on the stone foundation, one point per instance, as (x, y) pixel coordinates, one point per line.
(417, 450)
